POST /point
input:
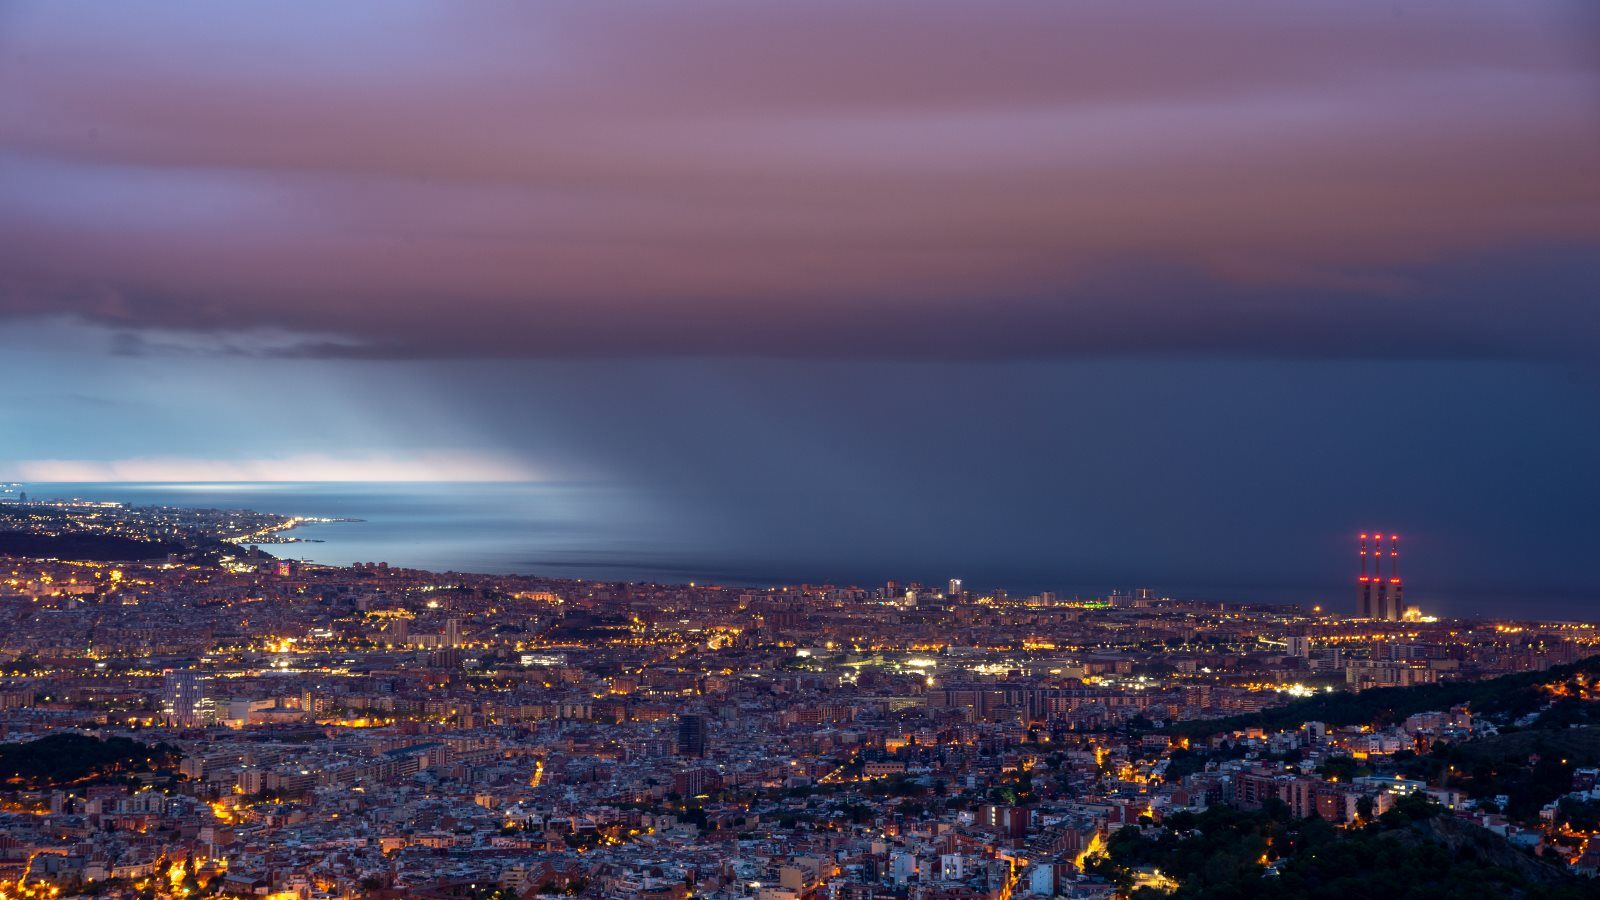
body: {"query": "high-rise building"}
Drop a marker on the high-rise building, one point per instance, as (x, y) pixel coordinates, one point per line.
(955, 588)
(691, 735)
(452, 633)
(183, 698)
(1378, 596)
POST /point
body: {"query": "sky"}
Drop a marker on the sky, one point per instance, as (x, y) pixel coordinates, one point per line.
(1099, 291)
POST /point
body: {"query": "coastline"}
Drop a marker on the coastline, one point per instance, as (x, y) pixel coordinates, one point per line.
(279, 534)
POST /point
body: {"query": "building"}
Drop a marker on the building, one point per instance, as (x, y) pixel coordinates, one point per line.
(691, 735)
(1379, 597)
(183, 698)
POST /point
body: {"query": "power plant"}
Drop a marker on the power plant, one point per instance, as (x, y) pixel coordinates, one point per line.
(1378, 596)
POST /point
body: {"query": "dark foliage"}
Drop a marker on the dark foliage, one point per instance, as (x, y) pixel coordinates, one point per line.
(1414, 852)
(84, 547)
(1511, 694)
(62, 759)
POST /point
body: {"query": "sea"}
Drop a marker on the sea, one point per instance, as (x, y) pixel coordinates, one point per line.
(594, 531)
(605, 532)
(574, 530)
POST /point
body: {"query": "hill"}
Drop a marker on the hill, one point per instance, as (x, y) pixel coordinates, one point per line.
(68, 758)
(1579, 746)
(1413, 852)
(84, 547)
(1510, 694)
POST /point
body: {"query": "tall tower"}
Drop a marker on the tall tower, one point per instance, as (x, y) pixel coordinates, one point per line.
(1394, 590)
(1379, 597)
(183, 699)
(1364, 586)
(691, 735)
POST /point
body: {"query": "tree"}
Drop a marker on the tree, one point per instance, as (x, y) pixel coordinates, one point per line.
(1340, 768)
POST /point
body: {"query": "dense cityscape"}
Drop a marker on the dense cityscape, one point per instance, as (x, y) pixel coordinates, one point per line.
(824, 450)
(213, 721)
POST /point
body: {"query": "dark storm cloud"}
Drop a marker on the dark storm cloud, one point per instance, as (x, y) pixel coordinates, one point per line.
(819, 179)
(1214, 477)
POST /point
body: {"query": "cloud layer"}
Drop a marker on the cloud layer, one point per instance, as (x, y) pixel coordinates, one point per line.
(904, 179)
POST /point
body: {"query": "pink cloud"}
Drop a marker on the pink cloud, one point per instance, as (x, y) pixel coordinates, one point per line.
(590, 178)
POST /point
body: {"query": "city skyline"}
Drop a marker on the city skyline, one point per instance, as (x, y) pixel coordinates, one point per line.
(891, 450)
(1079, 293)
(189, 715)
(827, 450)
